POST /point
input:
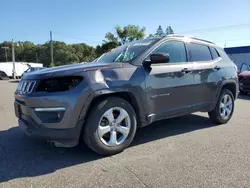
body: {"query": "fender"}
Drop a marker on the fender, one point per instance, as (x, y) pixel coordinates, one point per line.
(225, 82)
(137, 103)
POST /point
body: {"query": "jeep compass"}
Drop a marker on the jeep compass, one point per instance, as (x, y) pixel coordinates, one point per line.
(104, 102)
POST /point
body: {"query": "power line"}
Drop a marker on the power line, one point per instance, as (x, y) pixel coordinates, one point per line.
(233, 40)
(189, 31)
(72, 37)
(51, 49)
(217, 28)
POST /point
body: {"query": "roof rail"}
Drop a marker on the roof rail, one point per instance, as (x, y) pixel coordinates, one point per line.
(195, 38)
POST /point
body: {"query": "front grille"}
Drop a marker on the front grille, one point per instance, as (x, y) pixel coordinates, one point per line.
(245, 82)
(25, 86)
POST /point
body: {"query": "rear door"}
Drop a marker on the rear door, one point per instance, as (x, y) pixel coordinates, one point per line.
(206, 73)
(168, 84)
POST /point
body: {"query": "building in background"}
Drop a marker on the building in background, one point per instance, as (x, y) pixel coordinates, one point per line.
(239, 55)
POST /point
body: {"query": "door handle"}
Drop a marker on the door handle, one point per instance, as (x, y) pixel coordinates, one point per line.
(186, 70)
(216, 68)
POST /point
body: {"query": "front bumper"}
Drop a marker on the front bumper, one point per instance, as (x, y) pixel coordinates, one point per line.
(61, 138)
(244, 87)
(244, 83)
(63, 133)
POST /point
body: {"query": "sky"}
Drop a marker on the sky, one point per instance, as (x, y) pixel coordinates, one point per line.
(225, 22)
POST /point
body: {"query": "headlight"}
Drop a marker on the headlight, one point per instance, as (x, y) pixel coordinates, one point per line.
(59, 84)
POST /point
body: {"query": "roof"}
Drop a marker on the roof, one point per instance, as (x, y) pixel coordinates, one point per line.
(237, 50)
(190, 37)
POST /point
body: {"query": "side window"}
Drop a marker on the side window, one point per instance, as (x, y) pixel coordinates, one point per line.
(214, 53)
(175, 49)
(199, 52)
(244, 67)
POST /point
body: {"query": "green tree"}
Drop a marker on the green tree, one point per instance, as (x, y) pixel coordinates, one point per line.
(150, 35)
(70, 53)
(169, 30)
(8, 51)
(159, 32)
(106, 47)
(126, 34)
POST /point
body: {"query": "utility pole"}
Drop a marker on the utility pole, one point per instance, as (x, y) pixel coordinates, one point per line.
(13, 59)
(51, 48)
(6, 55)
(36, 57)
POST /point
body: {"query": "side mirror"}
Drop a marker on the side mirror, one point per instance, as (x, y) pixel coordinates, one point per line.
(157, 58)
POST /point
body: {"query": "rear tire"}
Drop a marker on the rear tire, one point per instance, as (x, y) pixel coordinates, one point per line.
(106, 119)
(224, 108)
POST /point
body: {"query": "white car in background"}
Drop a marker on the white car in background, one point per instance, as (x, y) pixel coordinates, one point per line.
(20, 67)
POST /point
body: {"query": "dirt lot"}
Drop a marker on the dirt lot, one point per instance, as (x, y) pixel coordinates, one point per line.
(182, 152)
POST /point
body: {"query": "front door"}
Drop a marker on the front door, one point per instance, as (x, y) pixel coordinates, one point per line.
(169, 85)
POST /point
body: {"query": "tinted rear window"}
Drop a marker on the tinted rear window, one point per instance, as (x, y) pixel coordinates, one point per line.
(199, 52)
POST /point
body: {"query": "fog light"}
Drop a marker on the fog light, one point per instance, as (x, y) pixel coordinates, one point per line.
(50, 115)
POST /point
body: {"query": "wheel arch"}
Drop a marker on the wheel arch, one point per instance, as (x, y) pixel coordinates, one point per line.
(231, 85)
(99, 95)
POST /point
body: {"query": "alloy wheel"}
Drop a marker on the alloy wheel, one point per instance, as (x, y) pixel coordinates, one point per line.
(114, 126)
(226, 106)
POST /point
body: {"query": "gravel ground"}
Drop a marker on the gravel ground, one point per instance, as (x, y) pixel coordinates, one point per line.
(181, 152)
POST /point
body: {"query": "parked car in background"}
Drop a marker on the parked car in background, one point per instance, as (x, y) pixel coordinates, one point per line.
(134, 85)
(244, 79)
(20, 67)
(3, 76)
(32, 69)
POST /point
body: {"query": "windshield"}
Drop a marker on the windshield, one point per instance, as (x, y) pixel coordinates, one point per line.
(29, 69)
(126, 52)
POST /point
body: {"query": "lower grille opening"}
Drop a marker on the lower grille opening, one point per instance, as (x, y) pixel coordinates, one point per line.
(50, 116)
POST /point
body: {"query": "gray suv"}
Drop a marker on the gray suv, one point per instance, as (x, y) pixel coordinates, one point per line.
(104, 102)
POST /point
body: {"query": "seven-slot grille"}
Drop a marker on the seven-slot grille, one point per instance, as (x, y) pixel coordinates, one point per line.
(246, 81)
(25, 86)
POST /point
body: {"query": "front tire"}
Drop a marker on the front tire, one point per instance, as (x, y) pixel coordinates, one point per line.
(224, 108)
(111, 126)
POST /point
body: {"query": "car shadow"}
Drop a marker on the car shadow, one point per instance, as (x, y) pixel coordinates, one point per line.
(171, 127)
(21, 156)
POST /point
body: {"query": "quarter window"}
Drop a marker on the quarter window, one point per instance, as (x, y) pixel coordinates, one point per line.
(175, 49)
(214, 53)
(199, 52)
(244, 67)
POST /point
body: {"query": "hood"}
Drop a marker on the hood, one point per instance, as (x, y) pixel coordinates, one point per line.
(67, 70)
(245, 74)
